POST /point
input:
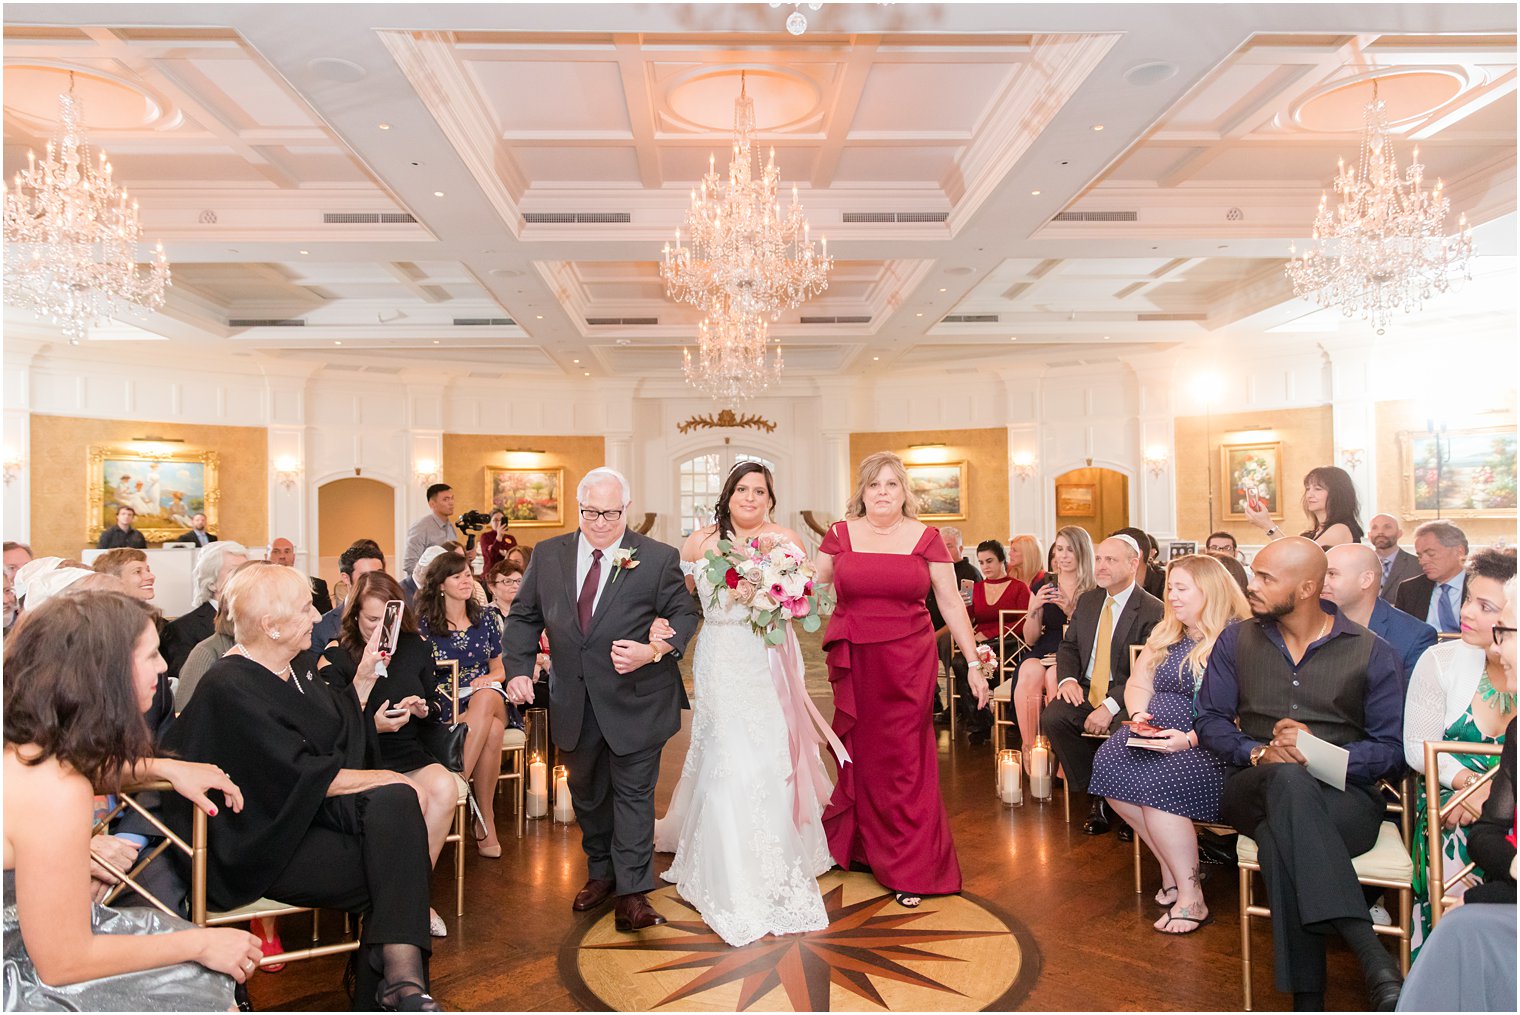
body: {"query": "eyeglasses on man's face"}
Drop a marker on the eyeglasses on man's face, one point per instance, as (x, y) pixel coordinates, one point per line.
(592, 514)
(1501, 632)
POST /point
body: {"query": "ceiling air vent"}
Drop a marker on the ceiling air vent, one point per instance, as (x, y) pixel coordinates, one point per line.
(857, 319)
(270, 323)
(483, 322)
(366, 218)
(1097, 216)
(895, 216)
(1171, 317)
(970, 319)
(575, 218)
(602, 321)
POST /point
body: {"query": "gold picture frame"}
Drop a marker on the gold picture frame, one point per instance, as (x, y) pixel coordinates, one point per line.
(941, 490)
(531, 498)
(1076, 500)
(1475, 477)
(177, 483)
(1247, 469)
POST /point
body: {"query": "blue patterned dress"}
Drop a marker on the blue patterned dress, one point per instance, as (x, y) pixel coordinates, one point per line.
(1188, 783)
(473, 649)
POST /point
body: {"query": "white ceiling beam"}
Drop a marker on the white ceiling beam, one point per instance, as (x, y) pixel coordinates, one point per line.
(640, 103)
(841, 112)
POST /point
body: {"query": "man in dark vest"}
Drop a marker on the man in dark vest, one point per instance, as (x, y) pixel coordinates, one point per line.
(1300, 665)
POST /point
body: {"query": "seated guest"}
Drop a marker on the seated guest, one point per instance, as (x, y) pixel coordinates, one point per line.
(197, 534)
(996, 592)
(209, 650)
(504, 581)
(1460, 691)
(11, 607)
(1491, 841)
(1300, 665)
(360, 558)
(1222, 542)
(1331, 503)
(131, 566)
(1163, 788)
(283, 552)
(398, 682)
(1026, 561)
(521, 554)
(93, 656)
(321, 826)
(212, 569)
(1051, 607)
(496, 540)
(122, 533)
(457, 628)
(1352, 583)
(965, 571)
(1092, 665)
(1436, 595)
(1149, 576)
(15, 555)
(1396, 563)
(1233, 565)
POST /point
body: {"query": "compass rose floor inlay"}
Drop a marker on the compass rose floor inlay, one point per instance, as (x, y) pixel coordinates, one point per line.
(952, 953)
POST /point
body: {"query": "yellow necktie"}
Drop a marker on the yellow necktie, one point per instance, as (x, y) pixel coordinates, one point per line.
(1097, 690)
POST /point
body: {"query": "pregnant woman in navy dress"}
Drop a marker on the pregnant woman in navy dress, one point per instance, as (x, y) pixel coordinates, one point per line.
(1162, 791)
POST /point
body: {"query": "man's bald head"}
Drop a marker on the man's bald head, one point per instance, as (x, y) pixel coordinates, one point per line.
(1383, 532)
(1286, 575)
(283, 552)
(1353, 576)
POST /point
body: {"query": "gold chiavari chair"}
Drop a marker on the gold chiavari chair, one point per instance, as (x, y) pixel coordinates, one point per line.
(1438, 882)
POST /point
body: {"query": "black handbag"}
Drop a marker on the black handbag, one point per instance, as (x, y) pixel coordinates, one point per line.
(444, 742)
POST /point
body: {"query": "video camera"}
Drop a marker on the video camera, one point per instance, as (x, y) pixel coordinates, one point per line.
(471, 524)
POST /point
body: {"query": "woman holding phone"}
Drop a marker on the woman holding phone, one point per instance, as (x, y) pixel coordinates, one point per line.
(1051, 604)
(379, 657)
(1329, 500)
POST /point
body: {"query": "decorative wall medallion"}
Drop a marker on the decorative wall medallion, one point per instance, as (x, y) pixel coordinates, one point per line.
(726, 418)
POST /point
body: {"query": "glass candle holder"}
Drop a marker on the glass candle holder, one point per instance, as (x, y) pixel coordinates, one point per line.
(1041, 769)
(564, 809)
(536, 730)
(1010, 778)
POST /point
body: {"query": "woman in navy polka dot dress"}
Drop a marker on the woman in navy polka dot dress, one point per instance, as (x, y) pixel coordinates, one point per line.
(1161, 789)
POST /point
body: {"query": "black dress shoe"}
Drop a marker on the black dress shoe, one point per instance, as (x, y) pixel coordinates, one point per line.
(1097, 819)
(1383, 989)
(980, 737)
(1125, 833)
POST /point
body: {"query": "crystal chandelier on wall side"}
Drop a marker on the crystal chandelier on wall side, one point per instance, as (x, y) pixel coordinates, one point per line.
(735, 357)
(1383, 249)
(71, 236)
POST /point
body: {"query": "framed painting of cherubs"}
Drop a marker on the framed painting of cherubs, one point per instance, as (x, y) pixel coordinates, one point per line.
(164, 489)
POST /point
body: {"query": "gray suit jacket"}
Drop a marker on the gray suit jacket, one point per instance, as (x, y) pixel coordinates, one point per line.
(1133, 626)
(1405, 565)
(635, 710)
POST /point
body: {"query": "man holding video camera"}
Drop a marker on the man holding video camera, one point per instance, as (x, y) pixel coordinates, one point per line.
(432, 528)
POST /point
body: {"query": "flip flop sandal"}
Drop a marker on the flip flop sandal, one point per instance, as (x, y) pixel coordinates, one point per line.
(1164, 890)
(1197, 923)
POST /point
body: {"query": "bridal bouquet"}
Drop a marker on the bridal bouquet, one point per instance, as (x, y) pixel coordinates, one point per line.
(773, 580)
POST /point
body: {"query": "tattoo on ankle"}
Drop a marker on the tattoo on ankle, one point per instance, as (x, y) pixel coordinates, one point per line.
(1196, 877)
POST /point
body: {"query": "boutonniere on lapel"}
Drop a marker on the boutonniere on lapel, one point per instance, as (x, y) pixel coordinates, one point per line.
(623, 560)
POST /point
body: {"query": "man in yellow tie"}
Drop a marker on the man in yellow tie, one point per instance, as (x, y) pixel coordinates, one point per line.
(1092, 665)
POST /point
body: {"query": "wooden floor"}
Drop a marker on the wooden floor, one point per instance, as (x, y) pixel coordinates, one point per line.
(1072, 892)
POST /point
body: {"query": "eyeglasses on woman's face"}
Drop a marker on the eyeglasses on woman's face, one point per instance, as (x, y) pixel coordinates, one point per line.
(1501, 632)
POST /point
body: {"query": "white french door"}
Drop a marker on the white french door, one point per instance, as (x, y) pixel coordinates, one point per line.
(700, 480)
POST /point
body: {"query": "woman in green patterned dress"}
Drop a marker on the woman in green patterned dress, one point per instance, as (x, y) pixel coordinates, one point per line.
(1459, 691)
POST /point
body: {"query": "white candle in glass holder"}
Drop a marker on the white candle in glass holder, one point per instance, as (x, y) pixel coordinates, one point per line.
(1039, 771)
(538, 788)
(1010, 786)
(564, 809)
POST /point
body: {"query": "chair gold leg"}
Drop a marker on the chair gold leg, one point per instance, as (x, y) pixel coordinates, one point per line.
(460, 824)
(316, 915)
(1066, 799)
(1138, 887)
(1406, 926)
(1245, 937)
(522, 792)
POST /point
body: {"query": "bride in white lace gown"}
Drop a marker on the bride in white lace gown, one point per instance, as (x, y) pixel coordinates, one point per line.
(749, 843)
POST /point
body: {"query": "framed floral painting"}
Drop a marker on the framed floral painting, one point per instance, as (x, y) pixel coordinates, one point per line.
(530, 497)
(164, 489)
(941, 491)
(1250, 471)
(1459, 473)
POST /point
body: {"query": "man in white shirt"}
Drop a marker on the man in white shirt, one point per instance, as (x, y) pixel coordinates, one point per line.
(1092, 665)
(432, 528)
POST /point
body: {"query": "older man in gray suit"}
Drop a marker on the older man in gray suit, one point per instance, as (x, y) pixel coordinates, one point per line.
(615, 696)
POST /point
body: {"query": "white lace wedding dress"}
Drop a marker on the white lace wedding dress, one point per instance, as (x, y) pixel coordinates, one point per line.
(741, 858)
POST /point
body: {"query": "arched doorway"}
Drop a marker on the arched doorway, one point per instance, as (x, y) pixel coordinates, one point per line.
(350, 509)
(700, 478)
(1095, 499)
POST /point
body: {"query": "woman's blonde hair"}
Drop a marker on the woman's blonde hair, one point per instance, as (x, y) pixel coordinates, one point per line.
(1223, 604)
(1028, 559)
(1081, 545)
(869, 469)
(258, 592)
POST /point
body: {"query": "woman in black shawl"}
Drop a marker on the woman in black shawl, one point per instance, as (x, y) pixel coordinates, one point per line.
(320, 825)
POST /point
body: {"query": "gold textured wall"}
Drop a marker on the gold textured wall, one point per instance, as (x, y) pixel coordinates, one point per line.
(60, 484)
(985, 453)
(1396, 418)
(1110, 509)
(466, 457)
(1307, 441)
(350, 509)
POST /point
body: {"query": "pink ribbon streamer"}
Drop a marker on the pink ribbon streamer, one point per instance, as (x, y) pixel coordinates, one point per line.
(806, 730)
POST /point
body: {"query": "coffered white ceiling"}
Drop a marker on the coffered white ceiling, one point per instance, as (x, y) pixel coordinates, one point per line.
(485, 188)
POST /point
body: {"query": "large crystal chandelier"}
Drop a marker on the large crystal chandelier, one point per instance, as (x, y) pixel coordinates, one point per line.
(735, 357)
(1383, 249)
(71, 236)
(745, 256)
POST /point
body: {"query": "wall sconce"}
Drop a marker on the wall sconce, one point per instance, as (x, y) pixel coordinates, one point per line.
(1351, 458)
(524, 458)
(287, 471)
(427, 472)
(1023, 464)
(1155, 460)
(13, 466)
(930, 453)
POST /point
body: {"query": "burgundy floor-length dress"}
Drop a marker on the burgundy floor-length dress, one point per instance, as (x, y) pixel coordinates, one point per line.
(886, 811)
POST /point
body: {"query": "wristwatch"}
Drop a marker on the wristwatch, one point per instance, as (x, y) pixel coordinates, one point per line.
(659, 653)
(1273, 531)
(1256, 753)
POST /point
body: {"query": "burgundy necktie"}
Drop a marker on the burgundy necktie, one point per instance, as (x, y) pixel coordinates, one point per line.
(588, 591)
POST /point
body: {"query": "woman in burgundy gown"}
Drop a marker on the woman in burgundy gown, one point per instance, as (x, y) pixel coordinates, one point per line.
(886, 812)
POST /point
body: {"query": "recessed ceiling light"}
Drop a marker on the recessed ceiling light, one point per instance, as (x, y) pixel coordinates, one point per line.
(383, 126)
(435, 341)
(1097, 126)
(576, 362)
(437, 193)
(1105, 338)
(1034, 193)
(585, 373)
(539, 316)
(918, 315)
(305, 251)
(336, 342)
(875, 359)
(1013, 338)
(942, 290)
